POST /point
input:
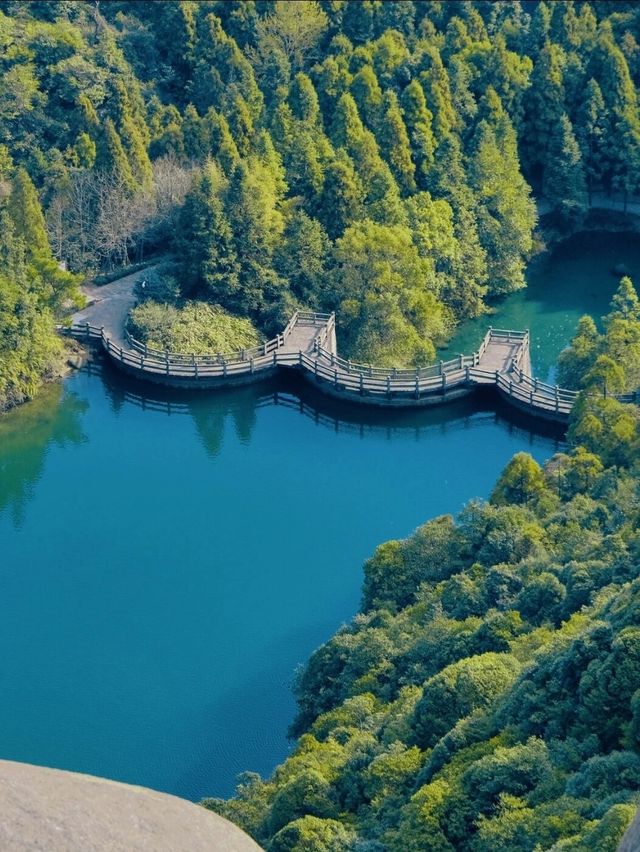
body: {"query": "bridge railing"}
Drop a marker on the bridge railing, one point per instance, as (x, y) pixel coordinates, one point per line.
(229, 358)
(396, 374)
(354, 378)
(176, 368)
(323, 336)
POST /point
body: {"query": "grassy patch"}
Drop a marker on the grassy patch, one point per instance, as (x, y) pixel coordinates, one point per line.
(194, 327)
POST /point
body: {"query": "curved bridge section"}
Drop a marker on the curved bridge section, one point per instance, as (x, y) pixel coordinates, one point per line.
(308, 344)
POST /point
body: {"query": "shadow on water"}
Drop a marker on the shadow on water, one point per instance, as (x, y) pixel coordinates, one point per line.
(211, 409)
(26, 433)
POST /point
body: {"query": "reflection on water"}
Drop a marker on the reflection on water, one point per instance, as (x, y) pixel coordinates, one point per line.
(210, 410)
(25, 436)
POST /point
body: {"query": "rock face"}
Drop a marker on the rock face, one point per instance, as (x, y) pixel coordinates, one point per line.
(631, 840)
(48, 809)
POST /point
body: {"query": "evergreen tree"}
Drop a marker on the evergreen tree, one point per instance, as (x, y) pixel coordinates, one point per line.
(240, 125)
(367, 94)
(112, 158)
(564, 178)
(358, 21)
(394, 144)
(591, 130)
(197, 142)
(303, 259)
(347, 127)
(332, 80)
(435, 82)
(136, 150)
(27, 216)
(418, 119)
(303, 100)
(622, 144)
(449, 180)
(506, 213)
(214, 138)
(221, 71)
(342, 199)
(207, 250)
(544, 106)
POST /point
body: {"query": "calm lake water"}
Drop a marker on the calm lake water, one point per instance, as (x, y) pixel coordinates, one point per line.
(168, 560)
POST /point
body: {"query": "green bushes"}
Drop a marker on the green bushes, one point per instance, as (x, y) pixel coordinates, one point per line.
(192, 328)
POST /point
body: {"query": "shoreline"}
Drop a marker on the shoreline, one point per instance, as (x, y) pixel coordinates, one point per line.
(546, 238)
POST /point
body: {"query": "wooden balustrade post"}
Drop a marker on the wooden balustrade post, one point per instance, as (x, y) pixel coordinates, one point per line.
(531, 397)
(497, 377)
(333, 359)
(557, 398)
(444, 382)
(467, 373)
(251, 365)
(535, 385)
(461, 361)
(87, 332)
(315, 368)
(417, 386)
(166, 362)
(224, 367)
(389, 386)
(335, 378)
(195, 369)
(361, 383)
(441, 367)
(349, 365)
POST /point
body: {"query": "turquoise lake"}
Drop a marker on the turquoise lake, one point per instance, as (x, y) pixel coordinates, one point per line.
(168, 560)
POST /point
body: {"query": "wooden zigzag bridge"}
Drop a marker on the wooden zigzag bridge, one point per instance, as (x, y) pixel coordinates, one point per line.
(308, 344)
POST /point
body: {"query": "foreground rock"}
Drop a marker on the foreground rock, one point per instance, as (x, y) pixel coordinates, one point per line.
(48, 809)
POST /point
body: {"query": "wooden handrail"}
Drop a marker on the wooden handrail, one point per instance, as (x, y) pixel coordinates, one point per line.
(362, 380)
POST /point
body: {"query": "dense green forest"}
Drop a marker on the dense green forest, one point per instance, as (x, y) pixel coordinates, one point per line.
(373, 158)
(379, 159)
(487, 697)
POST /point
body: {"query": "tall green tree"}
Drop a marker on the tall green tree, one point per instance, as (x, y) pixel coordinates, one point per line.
(506, 212)
(591, 132)
(565, 184)
(394, 144)
(418, 120)
(207, 249)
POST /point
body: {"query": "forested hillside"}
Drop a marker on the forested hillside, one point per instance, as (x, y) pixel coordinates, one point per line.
(373, 158)
(487, 697)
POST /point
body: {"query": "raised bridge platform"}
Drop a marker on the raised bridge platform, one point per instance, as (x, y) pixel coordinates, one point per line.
(308, 344)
